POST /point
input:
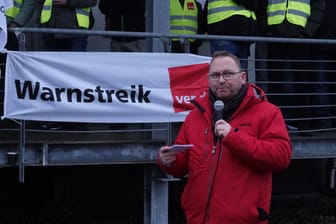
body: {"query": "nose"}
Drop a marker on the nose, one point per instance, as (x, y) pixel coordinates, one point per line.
(221, 78)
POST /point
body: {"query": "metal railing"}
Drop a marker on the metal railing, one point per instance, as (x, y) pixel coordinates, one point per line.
(257, 71)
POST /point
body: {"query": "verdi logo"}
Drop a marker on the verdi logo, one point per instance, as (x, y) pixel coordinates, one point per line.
(187, 83)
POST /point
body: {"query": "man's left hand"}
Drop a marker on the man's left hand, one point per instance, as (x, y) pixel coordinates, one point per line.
(222, 128)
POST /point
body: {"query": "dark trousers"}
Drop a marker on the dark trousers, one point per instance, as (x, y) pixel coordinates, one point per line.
(65, 44)
(184, 47)
(324, 75)
(289, 77)
(13, 45)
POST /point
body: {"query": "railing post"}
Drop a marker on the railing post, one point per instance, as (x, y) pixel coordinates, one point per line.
(157, 20)
(155, 196)
(22, 144)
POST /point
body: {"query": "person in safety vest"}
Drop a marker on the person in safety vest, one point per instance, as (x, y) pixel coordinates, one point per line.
(18, 15)
(287, 67)
(65, 14)
(186, 17)
(236, 140)
(232, 17)
(128, 16)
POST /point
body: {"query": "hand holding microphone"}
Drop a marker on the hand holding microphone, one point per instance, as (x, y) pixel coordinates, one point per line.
(222, 128)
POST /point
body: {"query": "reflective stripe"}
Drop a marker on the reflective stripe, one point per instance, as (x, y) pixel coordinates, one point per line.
(183, 20)
(225, 9)
(294, 11)
(298, 13)
(83, 17)
(13, 11)
(46, 11)
(183, 17)
(183, 28)
(219, 10)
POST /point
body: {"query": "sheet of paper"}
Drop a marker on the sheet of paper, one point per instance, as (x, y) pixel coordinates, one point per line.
(179, 148)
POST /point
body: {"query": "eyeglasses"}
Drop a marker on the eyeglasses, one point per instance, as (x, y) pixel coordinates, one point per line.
(227, 75)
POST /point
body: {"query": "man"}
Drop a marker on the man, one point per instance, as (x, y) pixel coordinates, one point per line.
(65, 14)
(186, 17)
(230, 166)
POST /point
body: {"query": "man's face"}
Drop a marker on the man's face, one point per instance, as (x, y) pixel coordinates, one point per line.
(225, 88)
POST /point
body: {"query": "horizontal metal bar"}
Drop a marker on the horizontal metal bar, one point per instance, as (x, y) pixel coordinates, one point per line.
(168, 35)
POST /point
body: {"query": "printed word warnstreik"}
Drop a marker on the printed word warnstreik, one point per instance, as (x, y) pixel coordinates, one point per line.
(34, 91)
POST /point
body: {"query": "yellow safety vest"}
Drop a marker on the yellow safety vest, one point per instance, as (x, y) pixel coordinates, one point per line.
(183, 20)
(15, 9)
(219, 10)
(296, 12)
(82, 14)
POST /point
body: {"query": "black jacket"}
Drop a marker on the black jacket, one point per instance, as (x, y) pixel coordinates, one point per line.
(327, 29)
(287, 29)
(125, 15)
(235, 25)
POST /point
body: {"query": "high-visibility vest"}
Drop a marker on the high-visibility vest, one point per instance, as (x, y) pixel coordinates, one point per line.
(296, 12)
(183, 20)
(15, 9)
(219, 10)
(82, 14)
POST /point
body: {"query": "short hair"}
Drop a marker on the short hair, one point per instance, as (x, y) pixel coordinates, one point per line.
(218, 54)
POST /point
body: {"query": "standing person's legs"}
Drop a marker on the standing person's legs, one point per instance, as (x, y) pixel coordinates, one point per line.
(261, 65)
(321, 67)
(299, 66)
(332, 76)
(131, 46)
(64, 44)
(76, 44)
(240, 49)
(13, 45)
(281, 87)
(53, 44)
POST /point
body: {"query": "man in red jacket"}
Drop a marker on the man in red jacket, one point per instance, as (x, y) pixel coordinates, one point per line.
(236, 149)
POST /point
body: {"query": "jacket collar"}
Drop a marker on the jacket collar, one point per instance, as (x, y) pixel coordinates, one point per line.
(254, 93)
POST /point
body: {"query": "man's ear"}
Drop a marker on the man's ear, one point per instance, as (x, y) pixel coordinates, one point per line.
(244, 77)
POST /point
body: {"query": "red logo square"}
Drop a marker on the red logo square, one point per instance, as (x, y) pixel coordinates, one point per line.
(186, 83)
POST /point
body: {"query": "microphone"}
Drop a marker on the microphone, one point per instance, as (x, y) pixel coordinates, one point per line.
(218, 106)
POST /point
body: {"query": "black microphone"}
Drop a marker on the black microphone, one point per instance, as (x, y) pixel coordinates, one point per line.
(218, 106)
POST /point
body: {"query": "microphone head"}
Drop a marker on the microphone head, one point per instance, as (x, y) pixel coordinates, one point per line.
(218, 105)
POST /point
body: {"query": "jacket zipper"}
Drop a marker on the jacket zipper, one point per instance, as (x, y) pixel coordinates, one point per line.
(210, 182)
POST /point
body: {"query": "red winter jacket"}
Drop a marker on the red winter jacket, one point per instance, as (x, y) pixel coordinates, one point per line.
(230, 182)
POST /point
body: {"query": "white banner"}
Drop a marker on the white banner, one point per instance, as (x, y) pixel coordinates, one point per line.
(103, 87)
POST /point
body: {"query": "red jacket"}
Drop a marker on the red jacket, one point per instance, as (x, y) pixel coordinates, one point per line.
(228, 183)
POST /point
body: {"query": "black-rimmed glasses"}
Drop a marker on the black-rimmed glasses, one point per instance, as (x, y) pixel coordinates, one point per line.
(226, 75)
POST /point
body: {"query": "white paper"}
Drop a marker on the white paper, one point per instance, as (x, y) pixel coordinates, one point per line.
(179, 148)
